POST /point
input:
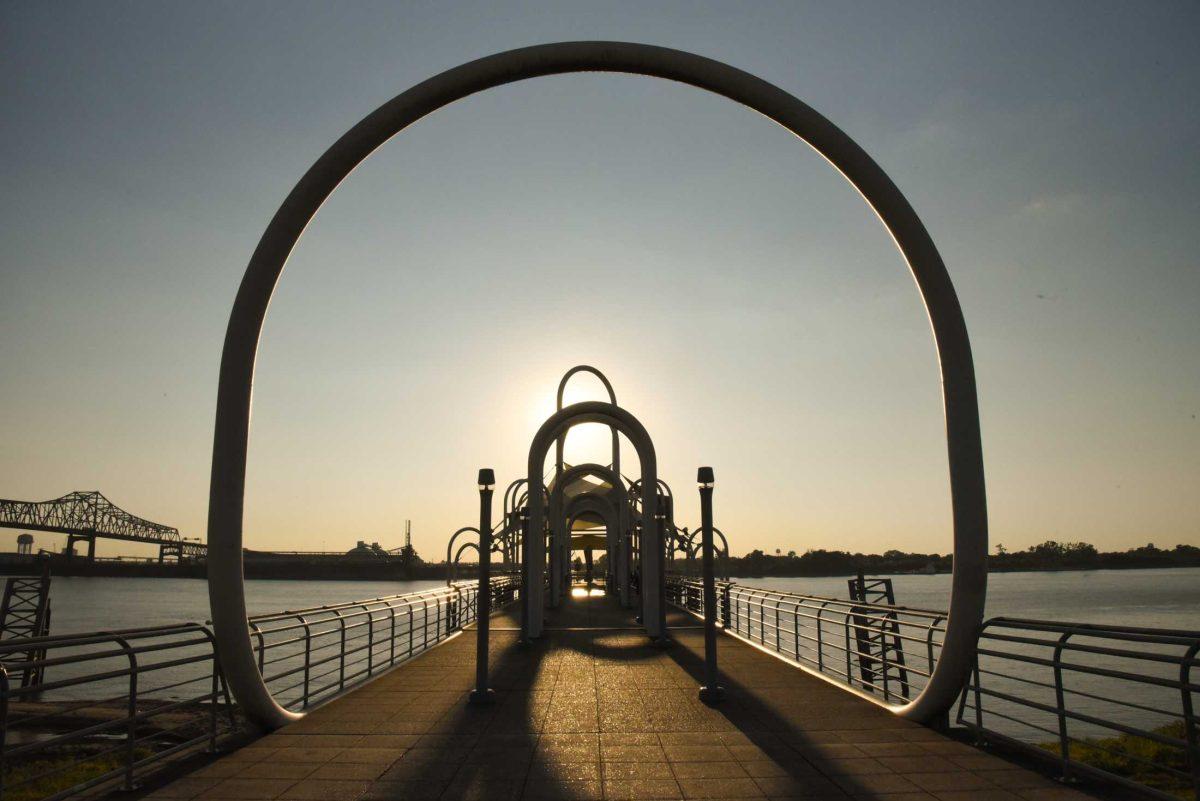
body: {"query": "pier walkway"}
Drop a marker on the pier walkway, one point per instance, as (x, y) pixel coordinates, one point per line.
(594, 711)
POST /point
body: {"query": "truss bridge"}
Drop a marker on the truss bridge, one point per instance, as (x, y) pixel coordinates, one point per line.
(86, 515)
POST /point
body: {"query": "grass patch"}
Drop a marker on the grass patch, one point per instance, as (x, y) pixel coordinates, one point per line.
(63, 770)
(1126, 755)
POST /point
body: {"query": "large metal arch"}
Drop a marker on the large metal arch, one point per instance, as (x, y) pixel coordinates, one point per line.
(231, 431)
(535, 556)
(612, 398)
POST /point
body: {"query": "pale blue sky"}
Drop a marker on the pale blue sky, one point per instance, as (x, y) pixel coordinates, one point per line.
(423, 322)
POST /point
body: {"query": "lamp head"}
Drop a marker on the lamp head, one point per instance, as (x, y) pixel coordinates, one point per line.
(704, 477)
(487, 479)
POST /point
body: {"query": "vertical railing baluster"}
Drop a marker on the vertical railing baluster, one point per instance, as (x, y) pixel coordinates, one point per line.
(212, 714)
(4, 689)
(304, 695)
(341, 650)
(796, 630)
(849, 665)
(392, 637)
(1189, 717)
(978, 703)
(131, 712)
(1064, 743)
(821, 639)
(370, 643)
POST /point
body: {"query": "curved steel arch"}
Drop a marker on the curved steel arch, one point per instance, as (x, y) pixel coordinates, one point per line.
(535, 557)
(612, 398)
(231, 434)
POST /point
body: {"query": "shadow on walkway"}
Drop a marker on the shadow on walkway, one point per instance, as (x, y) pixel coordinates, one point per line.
(594, 711)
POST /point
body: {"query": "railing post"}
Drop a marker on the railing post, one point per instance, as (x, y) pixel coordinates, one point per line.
(304, 689)
(1189, 717)
(341, 650)
(849, 664)
(711, 692)
(725, 610)
(131, 710)
(212, 716)
(796, 630)
(883, 658)
(411, 631)
(370, 642)
(929, 645)
(4, 687)
(978, 703)
(821, 638)
(262, 647)
(1064, 742)
(392, 637)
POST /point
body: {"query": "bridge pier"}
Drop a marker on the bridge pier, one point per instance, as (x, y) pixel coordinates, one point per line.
(90, 539)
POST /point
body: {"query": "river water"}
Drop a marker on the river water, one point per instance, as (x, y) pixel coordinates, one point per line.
(1144, 598)
(1167, 598)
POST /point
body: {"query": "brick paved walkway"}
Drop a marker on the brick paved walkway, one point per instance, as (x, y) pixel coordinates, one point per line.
(593, 712)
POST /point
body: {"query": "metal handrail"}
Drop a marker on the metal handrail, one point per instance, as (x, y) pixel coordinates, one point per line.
(857, 644)
(1084, 685)
(1138, 736)
(307, 656)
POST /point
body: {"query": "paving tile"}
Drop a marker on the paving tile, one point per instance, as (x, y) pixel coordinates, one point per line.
(1053, 794)
(929, 763)
(1017, 779)
(410, 790)
(564, 771)
(854, 767)
(248, 789)
(187, 787)
(325, 790)
(368, 771)
(278, 770)
(720, 788)
(698, 753)
(632, 753)
(708, 770)
(618, 771)
(563, 791)
(793, 787)
(976, 795)
(876, 783)
(639, 789)
(961, 780)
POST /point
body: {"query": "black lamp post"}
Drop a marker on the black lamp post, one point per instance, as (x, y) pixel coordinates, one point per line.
(660, 525)
(482, 694)
(712, 691)
(524, 639)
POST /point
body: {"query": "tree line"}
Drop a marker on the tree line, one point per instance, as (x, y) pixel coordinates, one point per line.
(1049, 555)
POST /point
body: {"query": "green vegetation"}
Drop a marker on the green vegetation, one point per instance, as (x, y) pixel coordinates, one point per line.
(67, 768)
(1048, 555)
(1126, 756)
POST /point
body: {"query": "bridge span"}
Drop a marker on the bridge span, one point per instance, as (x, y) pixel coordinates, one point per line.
(86, 515)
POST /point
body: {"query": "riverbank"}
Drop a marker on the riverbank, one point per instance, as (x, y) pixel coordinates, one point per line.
(275, 567)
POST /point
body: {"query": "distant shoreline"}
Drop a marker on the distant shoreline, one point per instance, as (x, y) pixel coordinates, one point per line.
(991, 570)
(350, 571)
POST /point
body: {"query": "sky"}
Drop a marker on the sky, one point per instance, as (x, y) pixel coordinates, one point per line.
(747, 305)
